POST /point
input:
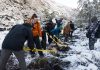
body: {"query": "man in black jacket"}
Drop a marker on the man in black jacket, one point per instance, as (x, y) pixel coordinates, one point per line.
(92, 32)
(14, 42)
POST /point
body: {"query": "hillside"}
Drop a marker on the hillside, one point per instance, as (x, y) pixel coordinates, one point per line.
(12, 10)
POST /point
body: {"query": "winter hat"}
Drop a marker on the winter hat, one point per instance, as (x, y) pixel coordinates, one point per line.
(34, 16)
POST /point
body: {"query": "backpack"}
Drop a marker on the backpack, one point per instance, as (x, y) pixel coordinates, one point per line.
(97, 34)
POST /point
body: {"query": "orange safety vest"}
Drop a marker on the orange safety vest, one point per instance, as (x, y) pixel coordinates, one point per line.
(37, 29)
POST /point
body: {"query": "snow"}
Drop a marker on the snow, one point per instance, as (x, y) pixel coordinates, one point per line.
(80, 56)
(2, 36)
(17, 9)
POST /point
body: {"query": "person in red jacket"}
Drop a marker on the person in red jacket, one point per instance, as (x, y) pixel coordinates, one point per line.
(37, 34)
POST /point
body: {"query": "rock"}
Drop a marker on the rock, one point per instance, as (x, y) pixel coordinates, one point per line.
(57, 67)
(45, 64)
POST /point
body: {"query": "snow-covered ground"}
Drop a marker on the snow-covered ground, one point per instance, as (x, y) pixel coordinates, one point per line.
(80, 56)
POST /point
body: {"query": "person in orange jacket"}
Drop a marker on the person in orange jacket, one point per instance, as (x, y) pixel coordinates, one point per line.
(37, 34)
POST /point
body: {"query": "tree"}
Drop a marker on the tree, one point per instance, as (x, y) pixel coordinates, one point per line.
(85, 11)
(88, 9)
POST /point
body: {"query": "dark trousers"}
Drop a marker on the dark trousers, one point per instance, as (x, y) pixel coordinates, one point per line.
(5, 54)
(66, 37)
(91, 43)
(38, 44)
(71, 34)
(49, 38)
(43, 42)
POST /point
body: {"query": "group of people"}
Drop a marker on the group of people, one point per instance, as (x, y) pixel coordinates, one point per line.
(93, 31)
(53, 29)
(31, 32)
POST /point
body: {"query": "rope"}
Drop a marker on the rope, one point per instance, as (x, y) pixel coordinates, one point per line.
(55, 40)
(38, 50)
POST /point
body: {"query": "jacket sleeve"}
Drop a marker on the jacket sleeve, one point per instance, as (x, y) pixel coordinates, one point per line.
(30, 39)
(13, 27)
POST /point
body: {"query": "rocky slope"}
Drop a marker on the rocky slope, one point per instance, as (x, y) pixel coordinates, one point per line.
(11, 10)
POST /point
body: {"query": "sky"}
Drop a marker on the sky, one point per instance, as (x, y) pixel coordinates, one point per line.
(69, 3)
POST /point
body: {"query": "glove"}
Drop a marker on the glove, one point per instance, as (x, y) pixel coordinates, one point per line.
(40, 38)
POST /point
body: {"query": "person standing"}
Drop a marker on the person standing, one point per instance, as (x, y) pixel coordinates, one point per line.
(59, 27)
(49, 27)
(14, 42)
(66, 31)
(37, 34)
(91, 31)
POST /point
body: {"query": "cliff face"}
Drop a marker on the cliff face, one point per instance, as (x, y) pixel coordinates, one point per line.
(17, 9)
